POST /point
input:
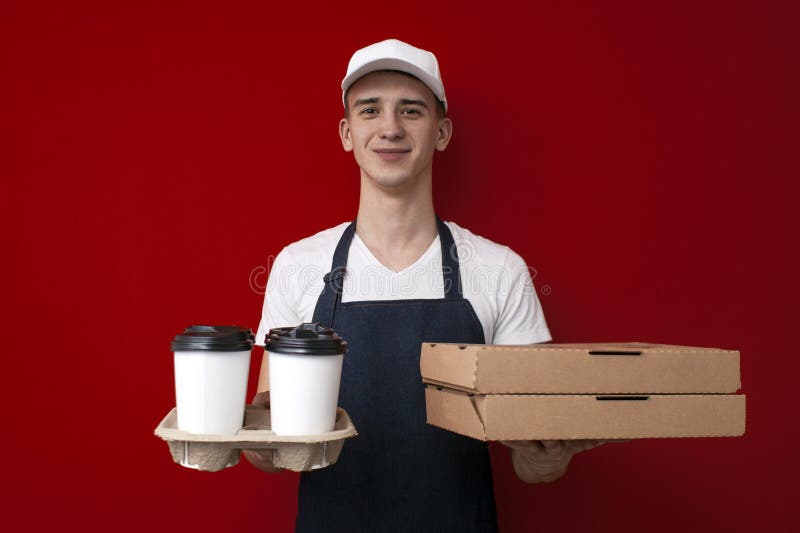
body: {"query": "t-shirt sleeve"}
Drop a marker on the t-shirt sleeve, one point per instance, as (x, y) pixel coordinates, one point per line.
(280, 298)
(520, 319)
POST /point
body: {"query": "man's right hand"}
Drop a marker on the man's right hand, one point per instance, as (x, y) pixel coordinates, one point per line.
(261, 459)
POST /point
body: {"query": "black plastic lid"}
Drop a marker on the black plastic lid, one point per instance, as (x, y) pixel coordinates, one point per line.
(214, 338)
(305, 339)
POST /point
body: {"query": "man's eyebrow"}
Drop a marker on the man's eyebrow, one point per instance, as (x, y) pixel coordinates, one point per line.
(403, 101)
(408, 101)
(362, 101)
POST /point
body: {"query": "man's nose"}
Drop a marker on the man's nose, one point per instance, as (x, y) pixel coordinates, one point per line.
(391, 127)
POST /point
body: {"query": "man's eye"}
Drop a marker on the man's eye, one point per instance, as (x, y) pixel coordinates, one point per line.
(411, 111)
(369, 111)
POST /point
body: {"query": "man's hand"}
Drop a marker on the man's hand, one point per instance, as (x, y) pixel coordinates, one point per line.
(261, 459)
(546, 460)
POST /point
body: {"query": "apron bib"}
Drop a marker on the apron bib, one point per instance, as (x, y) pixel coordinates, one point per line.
(398, 474)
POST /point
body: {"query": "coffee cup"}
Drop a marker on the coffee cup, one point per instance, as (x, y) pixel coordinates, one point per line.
(305, 368)
(212, 365)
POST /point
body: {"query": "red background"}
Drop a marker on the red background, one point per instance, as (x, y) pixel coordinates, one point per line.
(643, 159)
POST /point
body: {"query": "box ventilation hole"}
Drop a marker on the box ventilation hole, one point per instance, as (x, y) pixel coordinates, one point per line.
(613, 352)
(626, 397)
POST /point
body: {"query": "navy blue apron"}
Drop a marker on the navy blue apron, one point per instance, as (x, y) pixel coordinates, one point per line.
(398, 474)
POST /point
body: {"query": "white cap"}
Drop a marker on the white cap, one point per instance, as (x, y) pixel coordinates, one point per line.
(392, 54)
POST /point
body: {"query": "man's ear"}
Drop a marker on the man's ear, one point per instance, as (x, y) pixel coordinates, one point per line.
(344, 135)
(445, 133)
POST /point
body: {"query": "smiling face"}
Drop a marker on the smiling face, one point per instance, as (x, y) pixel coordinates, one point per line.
(393, 128)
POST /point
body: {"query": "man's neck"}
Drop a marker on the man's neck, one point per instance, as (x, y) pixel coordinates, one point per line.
(397, 226)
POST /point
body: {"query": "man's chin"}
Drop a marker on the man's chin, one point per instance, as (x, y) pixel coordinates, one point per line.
(391, 182)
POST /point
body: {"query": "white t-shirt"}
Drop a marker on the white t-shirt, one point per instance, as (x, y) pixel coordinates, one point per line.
(494, 279)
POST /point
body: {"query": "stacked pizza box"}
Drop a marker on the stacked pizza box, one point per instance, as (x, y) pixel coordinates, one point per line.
(583, 391)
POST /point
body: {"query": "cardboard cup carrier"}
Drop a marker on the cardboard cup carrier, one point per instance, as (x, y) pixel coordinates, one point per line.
(305, 368)
(211, 423)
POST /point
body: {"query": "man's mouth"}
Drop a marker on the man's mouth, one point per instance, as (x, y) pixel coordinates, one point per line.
(391, 154)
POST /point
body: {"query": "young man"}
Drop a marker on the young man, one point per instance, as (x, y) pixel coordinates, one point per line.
(396, 277)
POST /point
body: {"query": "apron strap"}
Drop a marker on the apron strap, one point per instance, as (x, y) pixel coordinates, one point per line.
(450, 264)
(331, 295)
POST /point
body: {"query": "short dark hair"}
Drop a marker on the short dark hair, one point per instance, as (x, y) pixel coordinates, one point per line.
(441, 112)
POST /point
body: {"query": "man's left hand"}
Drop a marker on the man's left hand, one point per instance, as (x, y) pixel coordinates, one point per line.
(537, 461)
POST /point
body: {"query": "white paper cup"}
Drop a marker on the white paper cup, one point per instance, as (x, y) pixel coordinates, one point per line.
(210, 391)
(211, 382)
(304, 376)
(303, 392)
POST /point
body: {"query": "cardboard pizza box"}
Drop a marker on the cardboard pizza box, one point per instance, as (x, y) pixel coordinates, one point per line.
(582, 391)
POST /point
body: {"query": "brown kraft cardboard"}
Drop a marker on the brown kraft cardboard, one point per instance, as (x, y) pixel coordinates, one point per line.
(582, 391)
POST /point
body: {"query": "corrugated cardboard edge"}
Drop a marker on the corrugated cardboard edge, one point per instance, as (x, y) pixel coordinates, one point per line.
(469, 415)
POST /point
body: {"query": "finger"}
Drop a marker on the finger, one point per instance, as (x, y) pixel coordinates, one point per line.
(261, 459)
(553, 447)
(580, 445)
(521, 444)
(261, 399)
(252, 458)
(591, 443)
